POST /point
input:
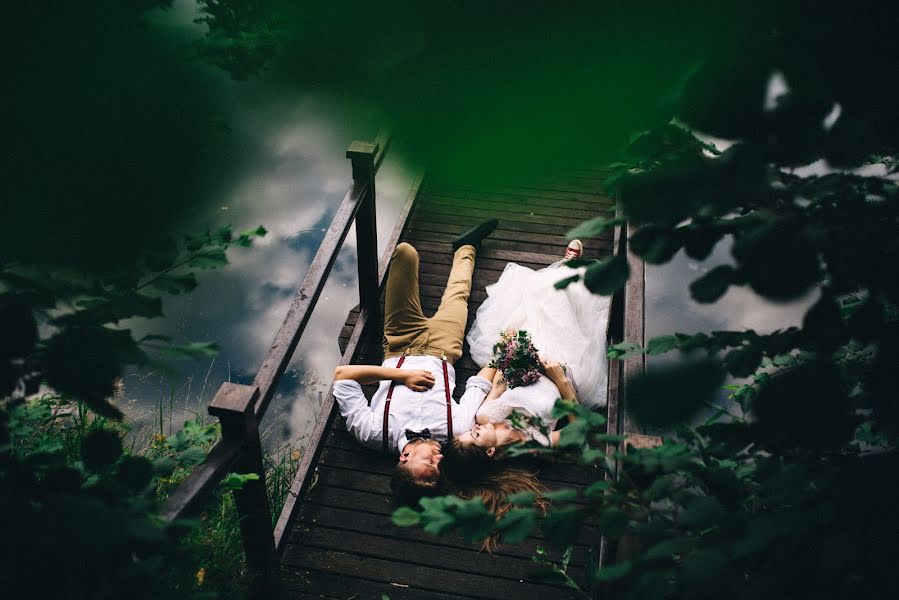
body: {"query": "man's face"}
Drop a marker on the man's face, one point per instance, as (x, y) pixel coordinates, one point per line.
(421, 457)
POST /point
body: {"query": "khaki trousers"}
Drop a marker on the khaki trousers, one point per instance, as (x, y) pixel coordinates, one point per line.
(406, 329)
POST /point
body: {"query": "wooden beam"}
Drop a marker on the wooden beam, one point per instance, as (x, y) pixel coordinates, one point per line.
(634, 325)
(188, 497)
(282, 348)
(326, 414)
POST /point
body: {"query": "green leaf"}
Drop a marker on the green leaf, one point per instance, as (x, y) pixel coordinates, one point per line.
(112, 310)
(613, 572)
(624, 350)
(608, 276)
(100, 449)
(702, 512)
(236, 481)
(743, 361)
(406, 517)
(661, 344)
(668, 549)
(783, 244)
(517, 524)
(473, 519)
(613, 522)
(209, 259)
(700, 241)
(175, 284)
(784, 360)
(564, 283)
(573, 435)
(192, 350)
(597, 489)
(562, 525)
(593, 227)
(560, 496)
(523, 498)
(671, 394)
(191, 457)
(713, 284)
(655, 245)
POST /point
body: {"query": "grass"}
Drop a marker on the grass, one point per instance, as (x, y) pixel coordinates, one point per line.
(213, 550)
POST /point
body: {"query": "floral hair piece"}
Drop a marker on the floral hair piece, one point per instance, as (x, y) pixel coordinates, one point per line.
(515, 355)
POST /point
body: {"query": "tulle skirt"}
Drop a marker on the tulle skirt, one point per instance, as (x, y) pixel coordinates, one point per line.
(568, 325)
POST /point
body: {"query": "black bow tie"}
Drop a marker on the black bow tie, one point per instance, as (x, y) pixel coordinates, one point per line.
(424, 434)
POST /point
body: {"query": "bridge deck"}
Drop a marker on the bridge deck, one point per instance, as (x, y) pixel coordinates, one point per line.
(342, 543)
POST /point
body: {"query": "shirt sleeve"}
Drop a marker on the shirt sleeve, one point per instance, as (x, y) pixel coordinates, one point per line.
(476, 389)
(361, 421)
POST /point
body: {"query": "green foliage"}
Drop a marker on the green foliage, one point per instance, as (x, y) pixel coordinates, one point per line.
(789, 489)
(81, 351)
(78, 504)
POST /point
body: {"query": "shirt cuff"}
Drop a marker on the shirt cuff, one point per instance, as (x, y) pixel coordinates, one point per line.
(481, 383)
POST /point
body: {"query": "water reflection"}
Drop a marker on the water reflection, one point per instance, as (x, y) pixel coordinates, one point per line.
(293, 189)
(670, 309)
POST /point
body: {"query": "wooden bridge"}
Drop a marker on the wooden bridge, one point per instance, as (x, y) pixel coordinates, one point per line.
(334, 537)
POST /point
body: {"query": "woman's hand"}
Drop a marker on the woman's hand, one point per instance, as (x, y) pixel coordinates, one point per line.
(554, 371)
(499, 386)
(418, 380)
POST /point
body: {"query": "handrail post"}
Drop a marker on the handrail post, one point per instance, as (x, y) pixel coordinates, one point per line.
(233, 406)
(362, 155)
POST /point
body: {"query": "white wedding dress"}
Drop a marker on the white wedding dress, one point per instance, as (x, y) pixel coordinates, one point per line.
(568, 326)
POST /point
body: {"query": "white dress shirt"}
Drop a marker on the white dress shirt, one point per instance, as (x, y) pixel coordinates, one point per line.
(409, 410)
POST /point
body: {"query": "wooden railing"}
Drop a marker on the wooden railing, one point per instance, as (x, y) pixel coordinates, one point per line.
(240, 408)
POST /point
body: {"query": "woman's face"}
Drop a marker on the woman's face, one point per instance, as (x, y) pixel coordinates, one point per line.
(482, 436)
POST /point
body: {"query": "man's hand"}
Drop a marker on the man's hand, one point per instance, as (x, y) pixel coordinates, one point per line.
(418, 380)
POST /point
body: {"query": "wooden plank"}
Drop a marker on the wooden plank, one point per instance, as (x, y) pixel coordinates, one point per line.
(344, 543)
(361, 458)
(544, 193)
(302, 582)
(425, 578)
(478, 214)
(487, 250)
(579, 210)
(414, 552)
(366, 522)
(593, 202)
(555, 251)
(507, 224)
(504, 233)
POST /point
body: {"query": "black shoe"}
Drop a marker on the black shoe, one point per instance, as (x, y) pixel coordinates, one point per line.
(475, 235)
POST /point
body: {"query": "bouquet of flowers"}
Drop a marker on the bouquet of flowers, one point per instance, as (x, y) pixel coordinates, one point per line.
(515, 355)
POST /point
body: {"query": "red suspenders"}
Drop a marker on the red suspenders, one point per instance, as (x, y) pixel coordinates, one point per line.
(449, 405)
(449, 402)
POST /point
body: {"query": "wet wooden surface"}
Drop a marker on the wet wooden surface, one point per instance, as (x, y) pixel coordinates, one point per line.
(342, 543)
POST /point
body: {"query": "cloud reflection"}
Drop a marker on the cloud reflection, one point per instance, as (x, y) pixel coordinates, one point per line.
(293, 189)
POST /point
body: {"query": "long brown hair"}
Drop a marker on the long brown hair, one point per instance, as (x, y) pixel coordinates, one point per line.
(469, 472)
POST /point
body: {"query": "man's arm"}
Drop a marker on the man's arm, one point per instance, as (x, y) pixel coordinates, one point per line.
(361, 421)
(417, 380)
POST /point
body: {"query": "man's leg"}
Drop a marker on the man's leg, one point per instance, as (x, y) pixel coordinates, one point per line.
(404, 320)
(447, 326)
